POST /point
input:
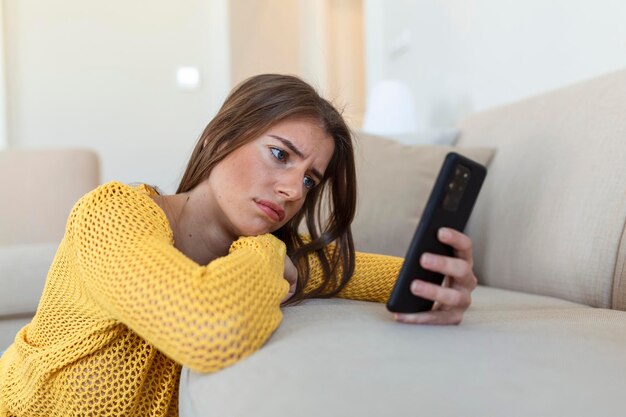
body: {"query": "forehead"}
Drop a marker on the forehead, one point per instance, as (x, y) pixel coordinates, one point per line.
(309, 136)
(307, 131)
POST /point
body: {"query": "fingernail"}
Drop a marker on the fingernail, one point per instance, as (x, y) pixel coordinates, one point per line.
(417, 286)
(428, 259)
(444, 233)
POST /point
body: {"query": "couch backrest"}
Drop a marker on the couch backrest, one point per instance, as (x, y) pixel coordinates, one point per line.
(552, 212)
(39, 188)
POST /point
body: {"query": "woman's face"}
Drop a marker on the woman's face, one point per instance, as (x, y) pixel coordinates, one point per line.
(261, 185)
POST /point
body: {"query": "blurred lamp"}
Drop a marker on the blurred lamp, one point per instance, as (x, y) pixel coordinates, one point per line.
(390, 110)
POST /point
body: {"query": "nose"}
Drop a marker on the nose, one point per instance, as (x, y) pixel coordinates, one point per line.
(289, 186)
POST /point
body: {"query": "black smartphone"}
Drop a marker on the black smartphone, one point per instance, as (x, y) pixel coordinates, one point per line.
(450, 204)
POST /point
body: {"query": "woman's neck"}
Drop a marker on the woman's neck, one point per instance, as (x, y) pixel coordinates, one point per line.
(197, 234)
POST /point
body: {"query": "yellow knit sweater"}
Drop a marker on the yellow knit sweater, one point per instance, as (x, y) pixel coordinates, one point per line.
(123, 309)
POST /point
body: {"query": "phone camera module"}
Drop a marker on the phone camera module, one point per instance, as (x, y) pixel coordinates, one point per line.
(456, 188)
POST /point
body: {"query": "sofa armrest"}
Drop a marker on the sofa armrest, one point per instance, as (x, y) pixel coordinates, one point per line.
(41, 186)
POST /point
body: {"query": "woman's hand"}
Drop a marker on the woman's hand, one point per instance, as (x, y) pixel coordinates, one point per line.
(291, 275)
(454, 296)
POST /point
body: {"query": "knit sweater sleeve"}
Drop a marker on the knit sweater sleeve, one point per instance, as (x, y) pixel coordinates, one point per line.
(204, 317)
(373, 278)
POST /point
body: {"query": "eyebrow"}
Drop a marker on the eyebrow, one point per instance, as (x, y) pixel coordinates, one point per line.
(299, 153)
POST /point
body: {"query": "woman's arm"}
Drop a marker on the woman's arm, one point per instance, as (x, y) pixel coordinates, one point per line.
(204, 317)
(373, 278)
(375, 275)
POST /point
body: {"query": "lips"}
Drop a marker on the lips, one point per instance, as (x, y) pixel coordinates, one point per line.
(273, 211)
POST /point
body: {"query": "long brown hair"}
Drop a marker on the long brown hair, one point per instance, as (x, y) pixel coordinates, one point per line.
(251, 109)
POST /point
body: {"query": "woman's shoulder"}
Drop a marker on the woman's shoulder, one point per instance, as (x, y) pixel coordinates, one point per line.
(118, 190)
(122, 200)
(118, 212)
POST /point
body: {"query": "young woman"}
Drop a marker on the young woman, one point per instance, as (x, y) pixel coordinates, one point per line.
(144, 283)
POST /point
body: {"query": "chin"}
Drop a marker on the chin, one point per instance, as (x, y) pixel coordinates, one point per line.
(255, 230)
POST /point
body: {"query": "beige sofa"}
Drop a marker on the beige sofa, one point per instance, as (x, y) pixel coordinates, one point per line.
(38, 188)
(546, 334)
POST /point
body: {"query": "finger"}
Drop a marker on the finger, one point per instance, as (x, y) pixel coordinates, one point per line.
(291, 272)
(287, 297)
(450, 298)
(458, 269)
(446, 283)
(431, 317)
(460, 242)
(291, 291)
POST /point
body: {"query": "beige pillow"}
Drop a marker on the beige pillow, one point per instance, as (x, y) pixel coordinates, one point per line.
(394, 182)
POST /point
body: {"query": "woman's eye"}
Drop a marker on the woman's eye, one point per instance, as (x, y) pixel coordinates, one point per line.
(309, 182)
(279, 154)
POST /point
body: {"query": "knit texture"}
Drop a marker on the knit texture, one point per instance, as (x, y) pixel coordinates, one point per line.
(123, 309)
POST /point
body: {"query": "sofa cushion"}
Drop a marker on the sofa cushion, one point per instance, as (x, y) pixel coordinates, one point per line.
(553, 207)
(514, 355)
(23, 269)
(394, 183)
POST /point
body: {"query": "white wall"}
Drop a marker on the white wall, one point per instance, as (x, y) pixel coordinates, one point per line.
(462, 56)
(102, 75)
(4, 140)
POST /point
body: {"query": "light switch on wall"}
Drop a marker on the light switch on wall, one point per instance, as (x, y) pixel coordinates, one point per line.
(188, 78)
